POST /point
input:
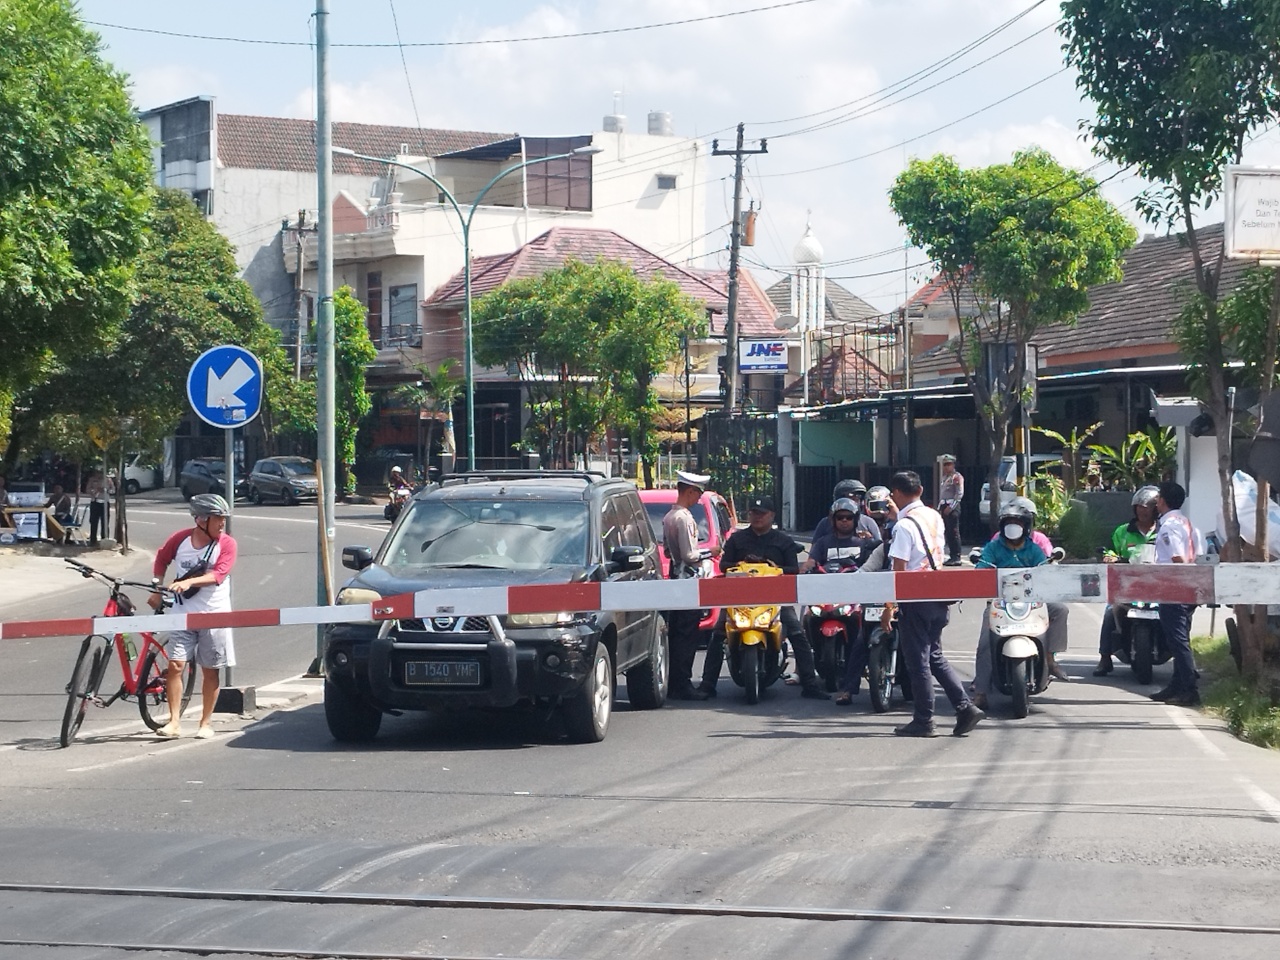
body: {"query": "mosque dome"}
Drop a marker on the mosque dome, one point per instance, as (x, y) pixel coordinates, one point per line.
(808, 250)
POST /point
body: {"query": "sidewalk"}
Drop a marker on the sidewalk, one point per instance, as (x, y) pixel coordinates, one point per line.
(28, 575)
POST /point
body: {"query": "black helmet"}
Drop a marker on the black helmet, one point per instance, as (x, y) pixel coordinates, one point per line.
(848, 488)
(1019, 509)
(844, 505)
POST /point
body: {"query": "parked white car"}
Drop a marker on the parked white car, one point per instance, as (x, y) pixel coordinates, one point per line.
(140, 475)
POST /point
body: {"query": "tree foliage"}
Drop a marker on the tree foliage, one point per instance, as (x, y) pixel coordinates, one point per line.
(1017, 245)
(75, 175)
(353, 351)
(1179, 87)
(589, 339)
(189, 297)
(435, 392)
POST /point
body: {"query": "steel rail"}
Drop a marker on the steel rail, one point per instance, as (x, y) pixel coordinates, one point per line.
(526, 904)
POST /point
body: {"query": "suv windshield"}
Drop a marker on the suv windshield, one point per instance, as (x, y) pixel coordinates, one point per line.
(657, 511)
(507, 534)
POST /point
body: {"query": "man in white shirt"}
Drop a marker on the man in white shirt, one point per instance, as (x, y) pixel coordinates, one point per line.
(918, 544)
(1176, 543)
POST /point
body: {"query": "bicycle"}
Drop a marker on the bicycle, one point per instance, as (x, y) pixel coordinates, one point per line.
(143, 670)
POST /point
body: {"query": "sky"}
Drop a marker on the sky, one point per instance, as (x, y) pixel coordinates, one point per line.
(845, 91)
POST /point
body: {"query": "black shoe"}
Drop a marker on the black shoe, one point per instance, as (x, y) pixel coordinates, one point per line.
(708, 689)
(967, 717)
(954, 562)
(916, 728)
(811, 691)
(1168, 693)
(1103, 668)
(1188, 698)
(686, 693)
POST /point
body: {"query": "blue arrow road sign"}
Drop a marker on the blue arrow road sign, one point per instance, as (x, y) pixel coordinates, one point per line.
(225, 386)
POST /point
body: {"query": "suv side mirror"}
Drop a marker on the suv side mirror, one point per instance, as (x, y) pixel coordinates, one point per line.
(356, 558)
(626, 558)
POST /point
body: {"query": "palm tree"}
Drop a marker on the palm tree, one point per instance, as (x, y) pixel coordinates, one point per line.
(434, 392)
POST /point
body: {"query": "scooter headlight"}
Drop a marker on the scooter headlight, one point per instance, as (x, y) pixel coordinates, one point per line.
(815, 611)
(1017, 610)
(764, 618)
(845, 611)
(741, 619)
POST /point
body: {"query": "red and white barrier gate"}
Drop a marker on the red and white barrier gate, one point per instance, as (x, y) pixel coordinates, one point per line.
(1084, 583)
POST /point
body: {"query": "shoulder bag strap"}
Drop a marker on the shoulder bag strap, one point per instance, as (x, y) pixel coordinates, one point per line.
(924, 542)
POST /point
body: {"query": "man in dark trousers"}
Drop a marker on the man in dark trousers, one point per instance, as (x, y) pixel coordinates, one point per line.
(759, 542)
(680, 540)
(918, 545)
(1176, 543)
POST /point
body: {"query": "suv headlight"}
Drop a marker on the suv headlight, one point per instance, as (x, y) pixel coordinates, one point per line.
(540, 619)
(349, 595)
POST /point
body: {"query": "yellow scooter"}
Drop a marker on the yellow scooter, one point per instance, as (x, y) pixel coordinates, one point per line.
(753, 637)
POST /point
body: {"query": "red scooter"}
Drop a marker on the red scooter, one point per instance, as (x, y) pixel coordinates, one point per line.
(831, 627)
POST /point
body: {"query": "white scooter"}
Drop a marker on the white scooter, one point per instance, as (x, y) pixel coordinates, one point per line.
(1019, 659)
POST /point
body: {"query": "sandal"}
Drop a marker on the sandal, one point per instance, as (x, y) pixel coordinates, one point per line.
(792, 680)
(844, 699)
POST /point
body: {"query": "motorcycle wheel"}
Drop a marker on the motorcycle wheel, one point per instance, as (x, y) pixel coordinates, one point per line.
(1018, 688)
(1143, 638)
(878, 677)
(751, 672)
(830, 662)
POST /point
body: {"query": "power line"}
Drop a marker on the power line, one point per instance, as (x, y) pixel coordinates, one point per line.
(921, 136)
(885, 103)
(909, 81)
(408, 81)
(460, 43)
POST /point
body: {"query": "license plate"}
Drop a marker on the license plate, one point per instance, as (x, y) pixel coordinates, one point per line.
(872, 613)
(462, 673)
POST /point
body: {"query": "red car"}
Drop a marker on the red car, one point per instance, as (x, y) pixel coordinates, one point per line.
(715, 523)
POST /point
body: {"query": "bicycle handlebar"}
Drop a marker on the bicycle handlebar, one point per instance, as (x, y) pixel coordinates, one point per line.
(155, 586)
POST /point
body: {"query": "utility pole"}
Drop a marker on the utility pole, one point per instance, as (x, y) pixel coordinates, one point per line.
(325, 373)
(731, 327)
(303, 229)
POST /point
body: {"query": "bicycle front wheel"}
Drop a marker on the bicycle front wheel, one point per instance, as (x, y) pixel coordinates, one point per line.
(83, 686)
(151, 697)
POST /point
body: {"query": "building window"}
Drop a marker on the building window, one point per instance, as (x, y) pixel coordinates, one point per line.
(404, 315)
(563, 184)
(373, 307)
(666, 181)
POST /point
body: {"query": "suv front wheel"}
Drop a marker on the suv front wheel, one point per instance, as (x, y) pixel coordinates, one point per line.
(647, 682)
(351, 718)
(586, 713)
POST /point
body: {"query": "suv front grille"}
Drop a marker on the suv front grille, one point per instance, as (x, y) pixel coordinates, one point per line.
(450, 625)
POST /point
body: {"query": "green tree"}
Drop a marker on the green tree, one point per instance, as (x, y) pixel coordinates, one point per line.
(589, 339)
(353, 351)
(1017, 245)
(189, 297)
(75, 175)
(435, 391)
(1179, 89)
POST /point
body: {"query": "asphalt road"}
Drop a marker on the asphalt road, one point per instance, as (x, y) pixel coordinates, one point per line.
(1102, 825)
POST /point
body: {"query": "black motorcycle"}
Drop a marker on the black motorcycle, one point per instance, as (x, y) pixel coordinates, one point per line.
(1140, 640)
(884, 664)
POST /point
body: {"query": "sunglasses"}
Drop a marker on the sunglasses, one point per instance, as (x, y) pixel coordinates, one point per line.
(844, 518)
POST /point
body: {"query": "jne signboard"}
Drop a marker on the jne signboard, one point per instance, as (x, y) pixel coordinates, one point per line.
(757, 356)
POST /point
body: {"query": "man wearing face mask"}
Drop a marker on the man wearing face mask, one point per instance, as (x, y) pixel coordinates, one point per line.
(1016, 545)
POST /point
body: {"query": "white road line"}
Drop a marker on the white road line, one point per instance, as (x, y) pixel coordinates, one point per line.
(1265, 801)
(258, 516)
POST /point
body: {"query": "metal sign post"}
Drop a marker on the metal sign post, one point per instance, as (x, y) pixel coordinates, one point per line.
(225, 389)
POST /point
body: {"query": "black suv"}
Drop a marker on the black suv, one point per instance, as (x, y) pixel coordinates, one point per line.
(501, 529)
(203, 475)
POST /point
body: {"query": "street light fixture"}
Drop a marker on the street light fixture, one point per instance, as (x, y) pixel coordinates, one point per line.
(465, 220)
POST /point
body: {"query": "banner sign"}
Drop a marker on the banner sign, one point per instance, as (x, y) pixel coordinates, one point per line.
(758, 356)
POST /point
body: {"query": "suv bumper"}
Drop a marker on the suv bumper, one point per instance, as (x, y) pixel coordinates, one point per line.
(534, 663)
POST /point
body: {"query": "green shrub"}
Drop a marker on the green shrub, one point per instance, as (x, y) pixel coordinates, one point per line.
(1050, 496)
(1249, 716)
(1080, 533)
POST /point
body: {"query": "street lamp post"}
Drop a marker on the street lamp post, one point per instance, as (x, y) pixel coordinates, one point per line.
(465, 220)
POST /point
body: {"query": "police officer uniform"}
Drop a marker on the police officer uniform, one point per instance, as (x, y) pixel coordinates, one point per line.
(680, 540)
(776, 547)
